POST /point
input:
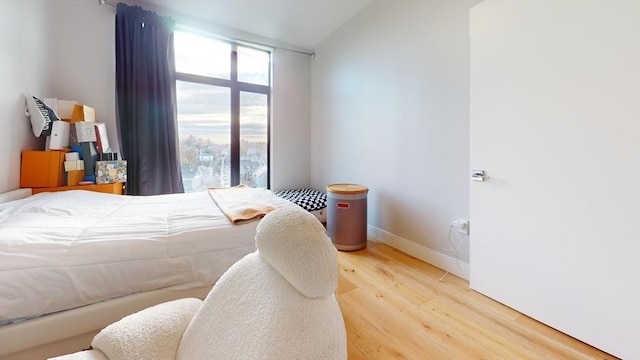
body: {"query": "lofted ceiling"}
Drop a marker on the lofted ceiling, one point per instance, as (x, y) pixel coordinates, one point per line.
(304, 23)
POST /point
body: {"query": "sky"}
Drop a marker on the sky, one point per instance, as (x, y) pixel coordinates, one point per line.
(204, 110)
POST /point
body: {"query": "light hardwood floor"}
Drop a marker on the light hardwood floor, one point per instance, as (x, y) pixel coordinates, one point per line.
(394, 307)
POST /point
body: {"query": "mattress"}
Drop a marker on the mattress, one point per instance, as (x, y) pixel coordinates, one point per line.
(68, 249)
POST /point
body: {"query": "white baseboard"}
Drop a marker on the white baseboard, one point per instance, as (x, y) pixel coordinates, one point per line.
(442, 261)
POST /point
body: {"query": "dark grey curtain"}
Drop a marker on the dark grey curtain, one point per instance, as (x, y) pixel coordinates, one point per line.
(146, 101)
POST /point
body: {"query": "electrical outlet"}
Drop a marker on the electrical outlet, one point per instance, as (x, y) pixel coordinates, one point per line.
(462, 226)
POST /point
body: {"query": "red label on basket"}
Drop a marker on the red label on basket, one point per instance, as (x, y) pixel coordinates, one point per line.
(342, 205)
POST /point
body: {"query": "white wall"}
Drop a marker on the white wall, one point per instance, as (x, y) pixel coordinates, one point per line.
(291, 126)
(390, 110)
(83, 68)
(24, 57)
(66, 49)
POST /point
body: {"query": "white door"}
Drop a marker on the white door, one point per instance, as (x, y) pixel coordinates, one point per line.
(555, 123)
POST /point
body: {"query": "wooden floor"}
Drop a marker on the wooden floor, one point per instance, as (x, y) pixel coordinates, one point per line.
(394, 307)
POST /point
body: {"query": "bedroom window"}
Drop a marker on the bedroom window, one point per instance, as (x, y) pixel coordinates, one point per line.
(224, 94)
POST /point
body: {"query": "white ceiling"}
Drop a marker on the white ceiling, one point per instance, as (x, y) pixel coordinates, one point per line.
(303, 23)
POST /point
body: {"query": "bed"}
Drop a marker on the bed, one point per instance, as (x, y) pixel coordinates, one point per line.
(72, 262)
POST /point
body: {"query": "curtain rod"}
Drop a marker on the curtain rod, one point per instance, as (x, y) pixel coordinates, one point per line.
(311, 54)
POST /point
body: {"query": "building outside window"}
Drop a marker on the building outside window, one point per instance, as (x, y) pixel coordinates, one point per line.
(224, 94)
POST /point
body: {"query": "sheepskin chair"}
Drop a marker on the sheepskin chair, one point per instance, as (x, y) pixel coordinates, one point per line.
(275, 303)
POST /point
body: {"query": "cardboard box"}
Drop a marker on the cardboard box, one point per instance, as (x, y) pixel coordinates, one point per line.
(42, 169)
(85, 131)
(74, 177)
(72, 165)
(102, 141)
(71, 156)
(59, 138)
(108, 172)
(65, 109)
(83, 113)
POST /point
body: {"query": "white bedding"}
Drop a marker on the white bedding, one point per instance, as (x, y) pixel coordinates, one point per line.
(63, 250)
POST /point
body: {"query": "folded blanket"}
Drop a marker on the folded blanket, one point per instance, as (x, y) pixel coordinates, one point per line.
(242, 203)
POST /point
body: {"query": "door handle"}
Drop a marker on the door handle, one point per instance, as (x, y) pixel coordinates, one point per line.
(478, 175)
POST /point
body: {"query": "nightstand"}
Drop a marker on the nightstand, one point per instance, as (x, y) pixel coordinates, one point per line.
(115, 188)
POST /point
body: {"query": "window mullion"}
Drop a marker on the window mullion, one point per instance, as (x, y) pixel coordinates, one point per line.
(254, 88)
(199, 79)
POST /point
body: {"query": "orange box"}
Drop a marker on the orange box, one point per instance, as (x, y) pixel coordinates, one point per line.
(42, 169)
(115, 188)
(74, 177)
(83, 113)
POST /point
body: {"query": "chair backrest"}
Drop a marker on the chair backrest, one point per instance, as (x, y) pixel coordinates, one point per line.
(276, 303)
(295, 243)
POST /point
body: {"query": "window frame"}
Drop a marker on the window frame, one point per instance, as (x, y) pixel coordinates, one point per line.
(236, 87)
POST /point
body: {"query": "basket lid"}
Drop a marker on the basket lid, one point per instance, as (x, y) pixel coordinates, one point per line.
(346, 189)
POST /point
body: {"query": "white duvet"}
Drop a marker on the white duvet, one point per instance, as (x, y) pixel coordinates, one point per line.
(63, 250)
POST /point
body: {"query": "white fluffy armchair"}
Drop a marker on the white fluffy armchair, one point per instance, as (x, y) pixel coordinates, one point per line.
(276, 303)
